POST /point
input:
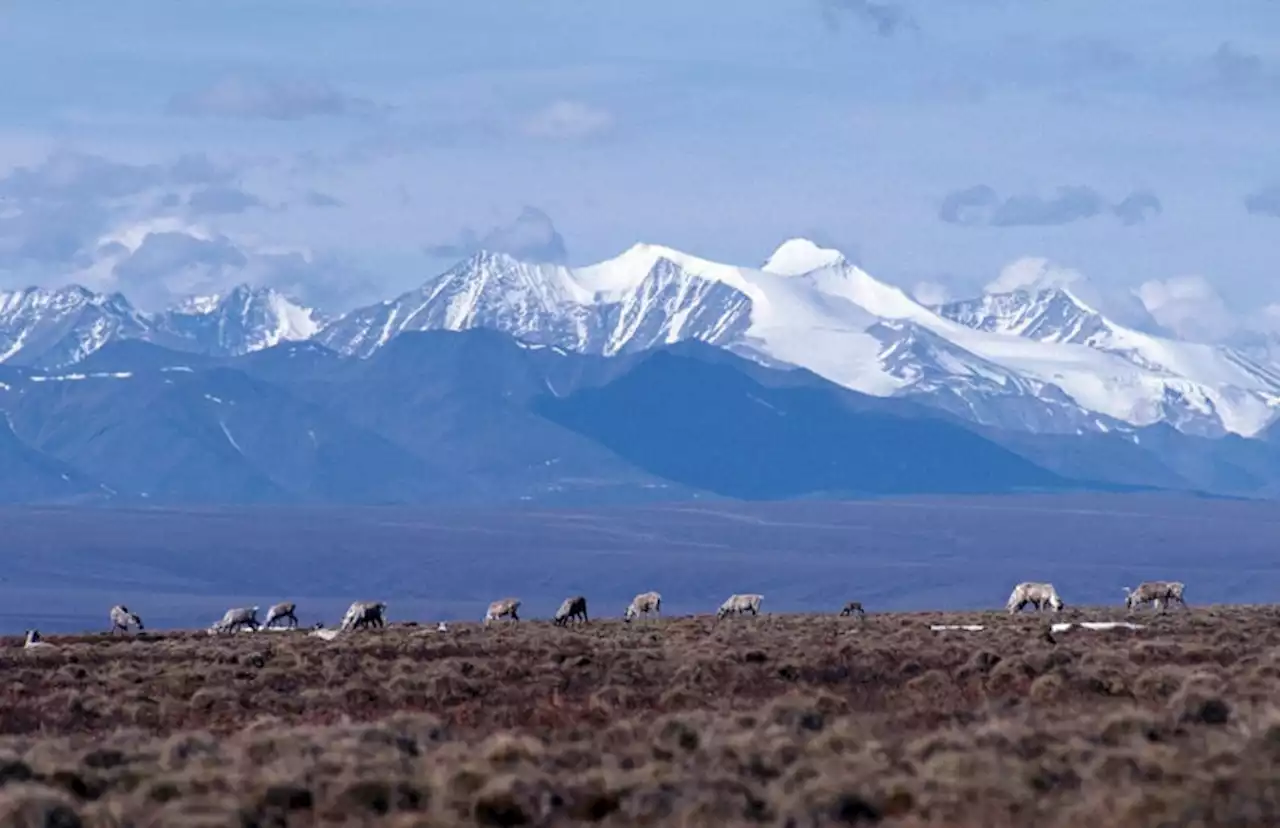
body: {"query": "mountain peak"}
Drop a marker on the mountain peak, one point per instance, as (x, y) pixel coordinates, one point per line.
(198, 305)
(59, 325)
(795, 257)
(210, 302)
(484, 255)
(1052, 293)
(1045, 314)
(243, 319)
(60, 296)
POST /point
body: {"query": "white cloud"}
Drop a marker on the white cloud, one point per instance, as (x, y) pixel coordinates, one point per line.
(1189, 306)
(56, 210)
(1033, 272)
(931, 293)
(531, 237)
(1269, 318)
(568, 120)
(145, 230)
(156, 262)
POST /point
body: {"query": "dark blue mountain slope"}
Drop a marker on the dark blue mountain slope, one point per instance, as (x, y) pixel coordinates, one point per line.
(30, 476)
(710, 426)
(215, 435)
(462, 401)
(124, 355)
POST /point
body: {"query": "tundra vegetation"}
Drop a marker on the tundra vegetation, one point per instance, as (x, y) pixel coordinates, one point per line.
(772, 720)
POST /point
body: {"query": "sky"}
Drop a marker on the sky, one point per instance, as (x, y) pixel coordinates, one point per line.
(348, 151)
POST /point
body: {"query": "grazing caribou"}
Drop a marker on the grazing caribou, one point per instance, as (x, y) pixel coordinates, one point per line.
(283, 611)
(738, 604)
(1036, 594)
(643, 604)
(572, 608)
(121, 618)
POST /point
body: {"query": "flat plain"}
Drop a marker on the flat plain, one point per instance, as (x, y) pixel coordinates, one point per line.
(784, 720)
(64, 567)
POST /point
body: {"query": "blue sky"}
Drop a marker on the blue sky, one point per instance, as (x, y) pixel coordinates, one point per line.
(346, 151)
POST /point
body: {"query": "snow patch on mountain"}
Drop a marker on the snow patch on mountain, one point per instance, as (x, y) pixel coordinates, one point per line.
(197, 304)
(798, 256)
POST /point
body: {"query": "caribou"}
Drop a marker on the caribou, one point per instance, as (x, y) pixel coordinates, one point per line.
(738, 604)
(365, 614)
(503, 608)
(1038, 595)
(234, 619)
(121, 618)
(1158, 593)
(283, 611)
(643, 604)
(572, 608)
(853, 608)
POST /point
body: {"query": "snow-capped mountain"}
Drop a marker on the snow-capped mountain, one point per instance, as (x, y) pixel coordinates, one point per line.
(1045, 315)
(1204, 388)
(553, 305)
(1038, 360)
(54, 327)
(47, 327)
(244, 319)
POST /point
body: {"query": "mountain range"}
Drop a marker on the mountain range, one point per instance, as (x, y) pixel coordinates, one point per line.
(52, 328)
(653, 375)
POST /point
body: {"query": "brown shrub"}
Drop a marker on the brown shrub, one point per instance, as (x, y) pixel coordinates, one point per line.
(1158, 684)
(782, 720)
(37, 806)
(1047, 689)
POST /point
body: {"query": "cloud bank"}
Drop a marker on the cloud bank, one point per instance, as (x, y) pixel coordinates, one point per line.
(981, 206)
(251, 97)
(1188, 306)
(221, 200)
(881, 16)
(568, 121)
(143, 228)
(1264, 202)
(531, 236)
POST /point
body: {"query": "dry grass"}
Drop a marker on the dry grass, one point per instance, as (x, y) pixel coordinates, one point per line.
(777, 720)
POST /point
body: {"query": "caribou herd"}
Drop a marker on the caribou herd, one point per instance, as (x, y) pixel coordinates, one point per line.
(1040, 595)
(364, 614)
